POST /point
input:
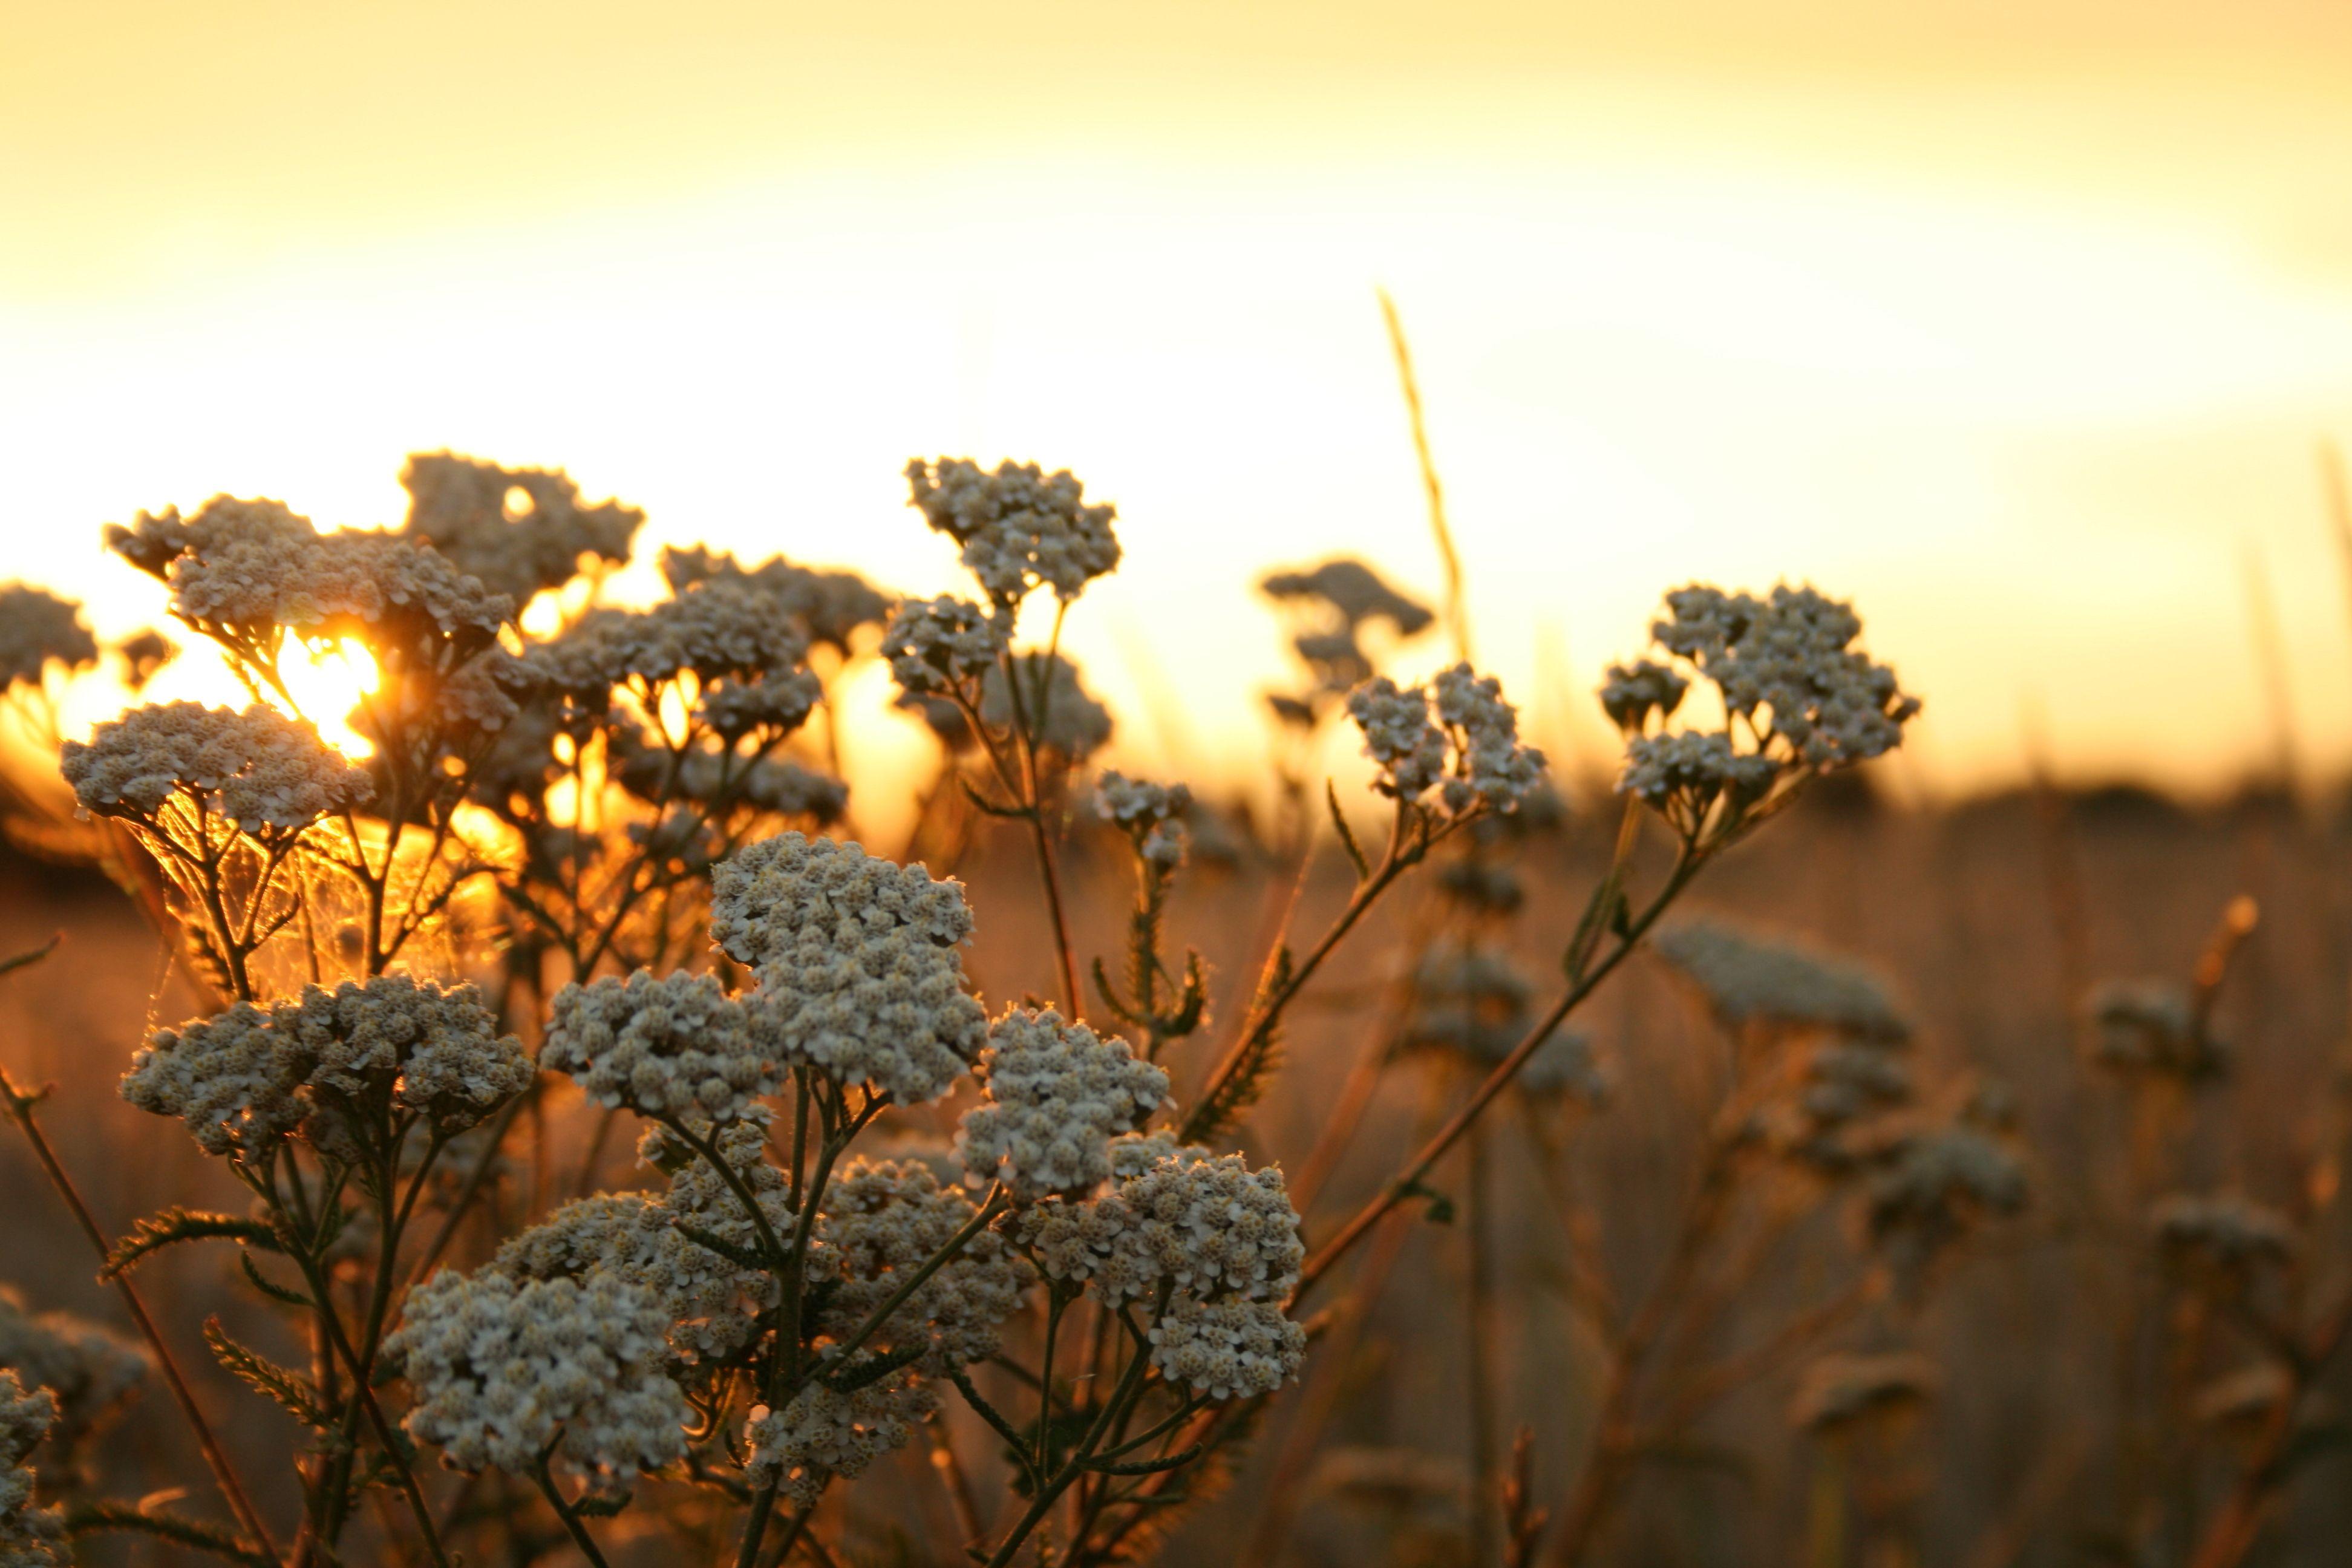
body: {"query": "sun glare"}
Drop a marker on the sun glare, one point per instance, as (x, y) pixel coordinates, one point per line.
(326, 684)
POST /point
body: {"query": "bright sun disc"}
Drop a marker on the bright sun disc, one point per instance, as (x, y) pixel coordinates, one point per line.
(326, 684)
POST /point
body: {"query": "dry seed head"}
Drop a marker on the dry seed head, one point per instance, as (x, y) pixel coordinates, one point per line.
(503, 1368)
(676, 1045)
(1055, 1095)
(266, 773)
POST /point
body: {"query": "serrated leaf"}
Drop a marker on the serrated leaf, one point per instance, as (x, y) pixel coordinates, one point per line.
(276, 1292)
(290, 1390)
(96, 1515)
(174, 1225)
(1346, 835)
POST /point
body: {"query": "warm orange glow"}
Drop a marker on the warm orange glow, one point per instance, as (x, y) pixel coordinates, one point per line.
(327, 684)
(2017, 323)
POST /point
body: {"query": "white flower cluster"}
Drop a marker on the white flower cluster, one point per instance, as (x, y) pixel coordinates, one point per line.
(1635, 691)
(699, 1196)
(252, 567)
(2222, 1235)
(884, 1218)
(501, 1369)
(461, 507)
(823, 1434)
(1749, 981)
(433, 1049)
(1205, 1226)
(266, 773)
(1838, 1390)
(676, 1045)
(38, 629)
(1471, 747)
(242, 1078)
(1791, 657)
(2151, 1028)
(1055, 1095)
(1063, 716)
(857, 959)
(828, 607)
(720, 630)
(1231, 1348)
(938, 646)
(1150, 814)
(709, 1300)
(90, 1370)
(31, 1536)
(774, 705)
(1695, 766)
(1020, 528)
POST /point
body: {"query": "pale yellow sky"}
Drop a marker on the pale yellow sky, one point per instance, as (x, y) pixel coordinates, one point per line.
(2017, 322)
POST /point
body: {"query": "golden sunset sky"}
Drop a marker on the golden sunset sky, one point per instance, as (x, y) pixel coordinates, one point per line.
(2018, 322)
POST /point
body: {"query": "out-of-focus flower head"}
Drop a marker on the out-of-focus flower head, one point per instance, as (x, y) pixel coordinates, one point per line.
(143, 653)
(1751, 981)
(518, 531)
(92, 1370)
(938, 645)
(1456, 737)
(828, 606)
(30, 1536)
(2152, 1029)
(1837, 1392)
(1020, 528)
(37, 629)
(1150, 814)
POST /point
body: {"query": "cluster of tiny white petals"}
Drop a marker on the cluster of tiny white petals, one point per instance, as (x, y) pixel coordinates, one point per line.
(775, 703)
(1020, 527)
(675, 1045)
(227, 1077)
(38, 629)
(1493, 765)
(1055, 1095)
(459, 505)
(1748, 980)
(1150, 814)
(1212, 1226)
(2223, 1232)
(1233, 1348)
(823, 1434)
(503, 1368)
(259, 769)
(1400, 737)
(88, 1368)
(1063, 716)
(2152, 1029)
(1791, 657)
(699, 1197)
(885, 1218)
(1694, 765)
(436, 1049)
(1634, 692)
(857, 959)
(31, 1536)
(709, 1300)
(720, 630)
(937, 646)
(829, 606)
(1838, 1390)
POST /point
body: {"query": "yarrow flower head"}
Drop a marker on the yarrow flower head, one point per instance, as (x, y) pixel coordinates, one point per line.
(2223, 1238)
(1635, 691)
(1056, 1093)
(1339, 599)
(885, 1218)
(31, 1536)
(2152, 1029)
(1150, 814)
(828, 606)
(938, 646)
(1020, 527)
(466, 509)
(269, 774)
(857, 959)
(711, 1300)
(1457, 736)
(1749, 981)
(326, 1060)
(1231, 1348)
(675, 1045)
(1060, 714)
(824, 1432)
(504, 1369)
(38, 629)
(1204, 1226)
(91, 1371)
